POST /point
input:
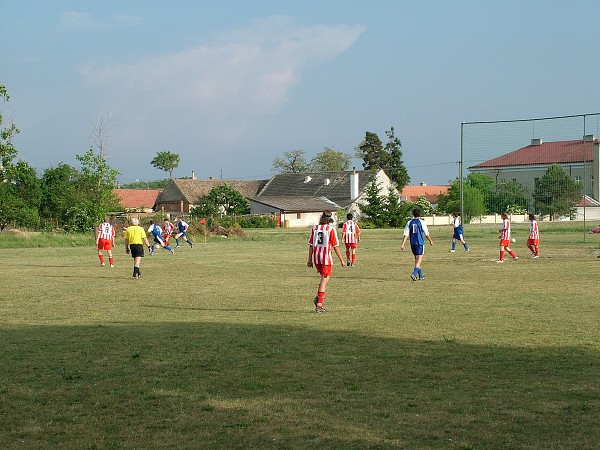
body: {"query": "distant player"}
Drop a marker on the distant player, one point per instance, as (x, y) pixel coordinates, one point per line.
(168, 228)
(458, 233)
(105, 241)
(351, 238)
(323, 238)
(156, 232)
(182, 227)
(533, 243)
(505, 239)
(416, 231)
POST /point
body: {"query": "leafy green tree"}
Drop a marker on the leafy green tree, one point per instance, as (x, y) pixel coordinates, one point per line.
(7, 151)
(394, 166)
(292, 162)
(424, 206)
(508, 196)
(221, 200)
(20, 190)
(166, 161)
(473, 201)
(156, 184)
(556, 193)
(78, 199)
(59, 192)
(330, 160)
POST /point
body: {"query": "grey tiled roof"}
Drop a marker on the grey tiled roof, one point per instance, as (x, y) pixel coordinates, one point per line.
(297, 203)
(334, 186)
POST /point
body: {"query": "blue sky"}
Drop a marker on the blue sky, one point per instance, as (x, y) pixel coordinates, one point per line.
(231, 85)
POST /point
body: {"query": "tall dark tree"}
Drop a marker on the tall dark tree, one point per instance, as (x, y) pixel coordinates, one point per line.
(371, 151)
(395, 167)
(389, 158)
(375, 207)
(556, 193)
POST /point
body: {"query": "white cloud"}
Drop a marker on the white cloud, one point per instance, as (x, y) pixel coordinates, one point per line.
(76, 21)
(246, 71)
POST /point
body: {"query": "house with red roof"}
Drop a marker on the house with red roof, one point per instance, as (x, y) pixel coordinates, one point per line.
(138, 200)
(431, 193)
(579, 159)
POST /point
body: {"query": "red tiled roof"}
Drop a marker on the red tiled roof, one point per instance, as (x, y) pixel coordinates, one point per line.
(137, 198)
(412, 193)
(546, 153)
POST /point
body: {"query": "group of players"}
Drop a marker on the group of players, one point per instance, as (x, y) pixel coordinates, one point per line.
(323, 239)
(135, 238)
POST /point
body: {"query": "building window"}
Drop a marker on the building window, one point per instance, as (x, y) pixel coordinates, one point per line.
(298, 216)
(578, 180)
(536, 181)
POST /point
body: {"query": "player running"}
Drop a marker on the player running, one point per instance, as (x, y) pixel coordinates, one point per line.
(168, 228)
(505, 239)
(105, 241)
(158, 239)
(182, 227)
(416, 231)
(323, 238)
(458, 233)
(351, 238)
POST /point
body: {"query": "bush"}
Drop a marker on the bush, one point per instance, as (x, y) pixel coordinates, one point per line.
(258, 222)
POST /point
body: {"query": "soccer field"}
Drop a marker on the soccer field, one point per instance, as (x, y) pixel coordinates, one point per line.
(219, 346)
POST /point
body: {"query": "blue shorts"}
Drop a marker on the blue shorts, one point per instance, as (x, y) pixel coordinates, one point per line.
(457, 235)
(418, 249)
(159, 240)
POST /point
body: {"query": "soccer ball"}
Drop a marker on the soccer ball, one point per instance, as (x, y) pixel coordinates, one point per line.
(513, 240)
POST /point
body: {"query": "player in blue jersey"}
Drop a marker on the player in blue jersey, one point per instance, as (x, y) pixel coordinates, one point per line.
(416, 231)
(458, 233)
(158, 238)
(182, 227)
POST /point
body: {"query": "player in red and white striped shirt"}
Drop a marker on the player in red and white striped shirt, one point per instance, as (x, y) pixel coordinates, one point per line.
(167, 229)
(533, 243)
(351, 237)
(322, 239)
(505, 239)
(105, 240)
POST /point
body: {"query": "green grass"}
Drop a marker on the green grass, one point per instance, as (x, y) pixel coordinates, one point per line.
(219, 347)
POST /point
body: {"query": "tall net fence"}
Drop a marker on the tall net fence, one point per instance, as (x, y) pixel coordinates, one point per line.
(549, 167)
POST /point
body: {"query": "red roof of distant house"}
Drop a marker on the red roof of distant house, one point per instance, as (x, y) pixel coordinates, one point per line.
(559, 152)
(412, 193)
(586, 200)
(138, 198)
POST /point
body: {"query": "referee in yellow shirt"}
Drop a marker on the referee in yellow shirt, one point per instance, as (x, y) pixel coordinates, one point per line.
(135, 238)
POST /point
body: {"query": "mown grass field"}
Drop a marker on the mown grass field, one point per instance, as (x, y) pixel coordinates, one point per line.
(218, 346)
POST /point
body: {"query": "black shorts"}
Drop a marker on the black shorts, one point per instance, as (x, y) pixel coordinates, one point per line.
(137, 250)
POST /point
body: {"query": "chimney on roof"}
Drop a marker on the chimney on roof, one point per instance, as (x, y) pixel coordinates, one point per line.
(422, 183)
(211, 178)
(589, 138)
(537, 141)
(353, 185)
(307, 178)
(327, 181)
(193, 175)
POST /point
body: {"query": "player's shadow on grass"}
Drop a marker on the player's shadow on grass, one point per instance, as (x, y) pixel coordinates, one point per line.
(219, 385)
